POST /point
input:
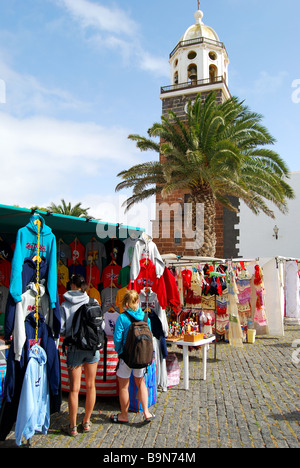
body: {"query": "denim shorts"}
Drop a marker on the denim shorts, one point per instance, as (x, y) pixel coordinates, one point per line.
(78, 357)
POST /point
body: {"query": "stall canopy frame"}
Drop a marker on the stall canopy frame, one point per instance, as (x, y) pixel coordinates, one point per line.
(13, 218)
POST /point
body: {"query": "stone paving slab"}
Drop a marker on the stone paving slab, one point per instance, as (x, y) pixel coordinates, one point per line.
(251, 399)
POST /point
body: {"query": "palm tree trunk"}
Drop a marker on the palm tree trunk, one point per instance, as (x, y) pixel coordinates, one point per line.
(204, 215)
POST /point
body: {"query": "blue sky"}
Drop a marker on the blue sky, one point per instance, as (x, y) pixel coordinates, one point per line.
(78, 76)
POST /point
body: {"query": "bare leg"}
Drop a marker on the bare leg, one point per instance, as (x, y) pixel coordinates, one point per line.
(75, 381)
(124, 398)
(143, 395)
(90, 371)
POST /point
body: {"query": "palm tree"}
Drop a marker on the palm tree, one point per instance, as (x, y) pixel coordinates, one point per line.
(220, 152)
(69, 210)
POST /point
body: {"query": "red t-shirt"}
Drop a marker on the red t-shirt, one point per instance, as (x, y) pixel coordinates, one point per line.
(78, 252)
(110, 275)
(93, 275)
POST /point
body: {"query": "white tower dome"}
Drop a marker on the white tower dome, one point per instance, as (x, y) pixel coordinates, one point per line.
(199, 30)
(199, 59)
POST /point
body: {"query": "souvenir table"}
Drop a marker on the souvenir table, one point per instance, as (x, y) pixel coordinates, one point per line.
(185, 344)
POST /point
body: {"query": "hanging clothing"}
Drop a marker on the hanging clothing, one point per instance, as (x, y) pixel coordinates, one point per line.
(95, 252)
(114, 250)
(292, 290)
(128, 251)
(5, 272)
(151, 300)
(186, 278)
(75, 269)
(26, 245)
(146, 248)
(63, 275)
(4, 292)
(16, 372)
(94, 294)
(119, 299)
(93, 276)
(78, 252)
(34, 406)
(108, 299)
(29, 276)
(173, 298)
(206, 322)
(124, 277)
(46, 341)
(64, 253)
(259, 315)
(6, 251)
(110, 320)
(25, 307)
(235, 331)
(147, 279)
(110, 275)
(196, 282)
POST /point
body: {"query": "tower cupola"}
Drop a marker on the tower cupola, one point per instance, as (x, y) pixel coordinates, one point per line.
(199, 59)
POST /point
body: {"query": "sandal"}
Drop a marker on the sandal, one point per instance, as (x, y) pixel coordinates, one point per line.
(115, 419)
(71, 431)
(86, 427)
(148, 420)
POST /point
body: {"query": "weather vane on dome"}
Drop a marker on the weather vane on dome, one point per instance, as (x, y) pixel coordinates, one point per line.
(198, 4)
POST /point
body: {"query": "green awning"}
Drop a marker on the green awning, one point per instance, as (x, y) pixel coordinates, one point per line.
(13, 218)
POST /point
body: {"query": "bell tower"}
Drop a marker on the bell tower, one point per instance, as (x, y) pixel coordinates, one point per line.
(198, 64)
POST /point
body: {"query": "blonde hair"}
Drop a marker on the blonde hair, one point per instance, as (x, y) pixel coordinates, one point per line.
(130, 300)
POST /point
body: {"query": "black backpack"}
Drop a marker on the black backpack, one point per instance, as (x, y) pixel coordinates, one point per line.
(138, 348)
(87, 331)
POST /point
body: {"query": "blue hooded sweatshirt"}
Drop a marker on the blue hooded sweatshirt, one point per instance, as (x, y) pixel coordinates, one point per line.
(122, 327)
(26, 246)
(34, 406)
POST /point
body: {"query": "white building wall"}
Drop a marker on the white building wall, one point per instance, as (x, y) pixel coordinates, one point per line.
(256, 232)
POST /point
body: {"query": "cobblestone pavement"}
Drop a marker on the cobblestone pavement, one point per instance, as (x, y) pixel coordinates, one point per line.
(250, 400)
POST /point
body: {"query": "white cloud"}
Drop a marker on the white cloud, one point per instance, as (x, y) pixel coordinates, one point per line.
(43, 157)
(25, 95)
(109, 209)
(112, 28)
(267, 83)
(93, 15)
(156, 65)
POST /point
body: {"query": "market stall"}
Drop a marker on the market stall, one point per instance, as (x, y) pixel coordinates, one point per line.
(265, 294)
(39, 251)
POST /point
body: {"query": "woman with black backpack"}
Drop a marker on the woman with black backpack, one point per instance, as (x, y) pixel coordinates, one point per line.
(77, 358)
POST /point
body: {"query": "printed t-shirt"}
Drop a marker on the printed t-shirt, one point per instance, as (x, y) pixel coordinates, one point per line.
(110, 319)
(94, 294)
(63, 275)
(93, 275)
(78, 252)
(95, 252)
(110, 275)
(124, 277)
(119, 299)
